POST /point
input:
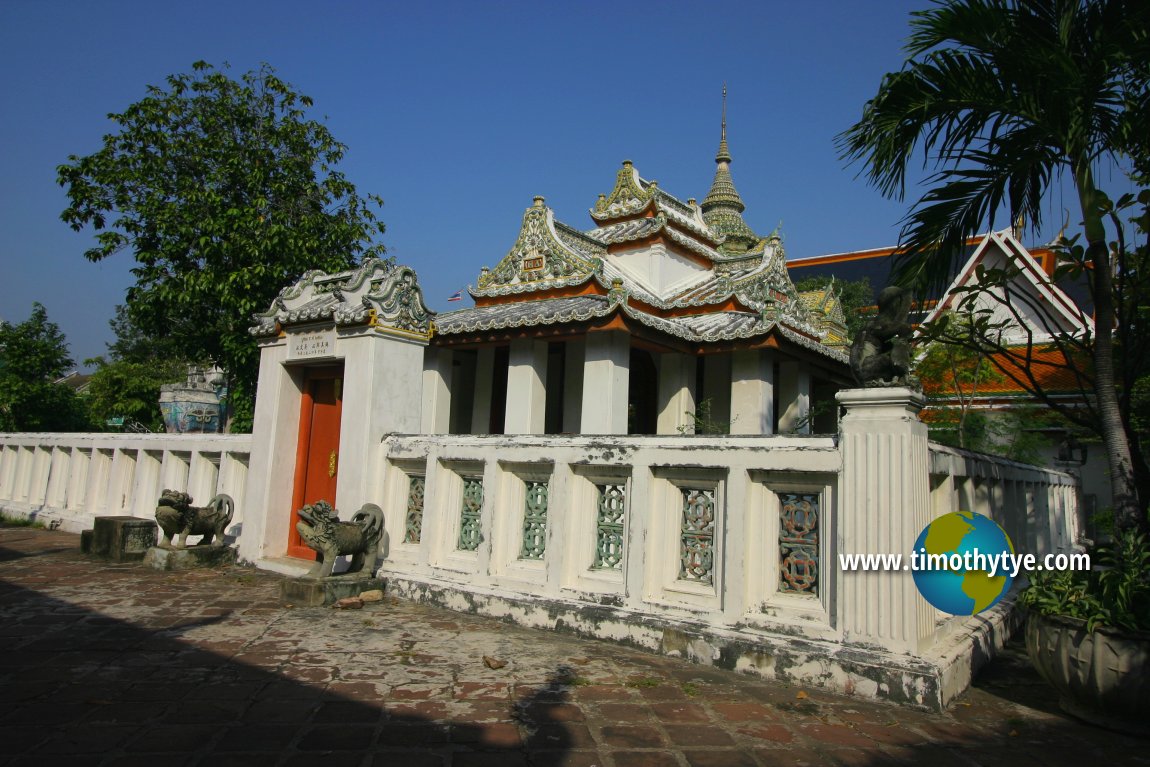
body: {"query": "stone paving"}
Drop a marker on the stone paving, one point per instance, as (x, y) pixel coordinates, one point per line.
(119, 665)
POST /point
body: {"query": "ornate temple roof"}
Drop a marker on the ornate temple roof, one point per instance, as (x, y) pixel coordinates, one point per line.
(696, 273)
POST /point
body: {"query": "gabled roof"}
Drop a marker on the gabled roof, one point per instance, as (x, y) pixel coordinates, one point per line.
(1033, 288)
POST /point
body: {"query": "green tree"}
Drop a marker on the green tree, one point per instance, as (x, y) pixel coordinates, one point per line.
(855, 296)
(1002, 97)
(954, 374)
(33, 356)
(134, 345)
(224, 192)
(130, 390)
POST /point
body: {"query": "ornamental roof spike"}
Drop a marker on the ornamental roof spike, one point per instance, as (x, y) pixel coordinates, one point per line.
(723, 154)
(723, 207)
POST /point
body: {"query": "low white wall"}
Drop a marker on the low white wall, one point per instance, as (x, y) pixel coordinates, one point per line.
(66, 480)
(720, 549)
(1040, 509)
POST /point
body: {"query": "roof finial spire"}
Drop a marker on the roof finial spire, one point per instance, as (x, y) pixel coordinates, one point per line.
(724, 110)
(724, 154)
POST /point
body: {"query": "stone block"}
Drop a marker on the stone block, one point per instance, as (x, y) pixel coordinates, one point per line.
(86, 542)
(122, 539)
(190, 558)
(317, 592)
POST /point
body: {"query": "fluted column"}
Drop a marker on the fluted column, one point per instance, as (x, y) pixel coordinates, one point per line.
(884, 503)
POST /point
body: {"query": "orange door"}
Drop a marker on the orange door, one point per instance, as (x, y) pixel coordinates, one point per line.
(317, 457)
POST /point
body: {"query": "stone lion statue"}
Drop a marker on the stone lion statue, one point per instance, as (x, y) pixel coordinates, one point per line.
(320, 528)
(880, 355)
(178, 518)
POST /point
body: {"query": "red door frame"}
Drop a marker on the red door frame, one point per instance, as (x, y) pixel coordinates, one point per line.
(295, 546)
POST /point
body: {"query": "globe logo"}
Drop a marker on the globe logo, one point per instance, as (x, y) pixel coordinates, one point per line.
(951, 563)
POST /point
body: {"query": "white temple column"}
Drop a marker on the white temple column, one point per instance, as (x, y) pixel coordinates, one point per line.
(676, 393)
(526, 410)
(752, 392)
(606, 374)
(573, 386)
(484, 377)
(884, 503)
(436, 416)
(794, 398)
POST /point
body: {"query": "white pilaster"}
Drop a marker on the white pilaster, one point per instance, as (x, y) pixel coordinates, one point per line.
(382, 394)
(436, 415)
(884, 497)
(606, 373)
(794, 398)
(526, 409)
(275, 436)
(676, 393)
(752, 392)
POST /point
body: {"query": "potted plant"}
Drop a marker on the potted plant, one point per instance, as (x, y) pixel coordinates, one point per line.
(1088, 634)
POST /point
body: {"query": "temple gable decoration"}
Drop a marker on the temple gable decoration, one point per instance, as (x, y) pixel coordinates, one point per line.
(546, 253)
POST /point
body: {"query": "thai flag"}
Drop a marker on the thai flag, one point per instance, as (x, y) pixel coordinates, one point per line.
(456, 296)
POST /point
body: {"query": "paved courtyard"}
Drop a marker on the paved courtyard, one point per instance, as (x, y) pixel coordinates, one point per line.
(119, 665)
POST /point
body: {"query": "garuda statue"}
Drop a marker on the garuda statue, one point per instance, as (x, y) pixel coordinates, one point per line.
(880, 354)
(178, 518)
(320, 528)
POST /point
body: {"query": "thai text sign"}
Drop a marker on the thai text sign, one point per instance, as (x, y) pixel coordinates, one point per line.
(304, 346)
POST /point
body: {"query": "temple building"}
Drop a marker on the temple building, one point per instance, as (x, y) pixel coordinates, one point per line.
(666, 317)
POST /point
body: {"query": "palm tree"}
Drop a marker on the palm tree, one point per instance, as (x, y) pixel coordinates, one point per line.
(1003, 97)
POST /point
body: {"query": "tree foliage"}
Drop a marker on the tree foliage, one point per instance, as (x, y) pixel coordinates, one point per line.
(130, 390)
(1002, 97)
(33, 356)
(957, 374)
(223, 191)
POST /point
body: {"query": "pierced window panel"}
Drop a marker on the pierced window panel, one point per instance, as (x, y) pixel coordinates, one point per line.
(469, 533)
(534, 521)
(799, 543)
(414, 519)
(697, 542)
(612, 508)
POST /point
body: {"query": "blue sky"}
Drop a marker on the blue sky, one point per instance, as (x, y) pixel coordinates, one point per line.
(457, 113)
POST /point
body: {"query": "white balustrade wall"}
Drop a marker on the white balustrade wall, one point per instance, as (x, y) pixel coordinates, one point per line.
(1040, 509)
(720, 549)
(64, 481)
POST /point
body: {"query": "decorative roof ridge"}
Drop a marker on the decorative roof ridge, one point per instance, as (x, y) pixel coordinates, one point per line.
(644, 226)
(569, 309)
(578, 234)
(693, 222)
(380, 292)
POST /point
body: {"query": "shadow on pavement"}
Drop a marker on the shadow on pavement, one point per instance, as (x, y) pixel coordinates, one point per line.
(79, 688)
